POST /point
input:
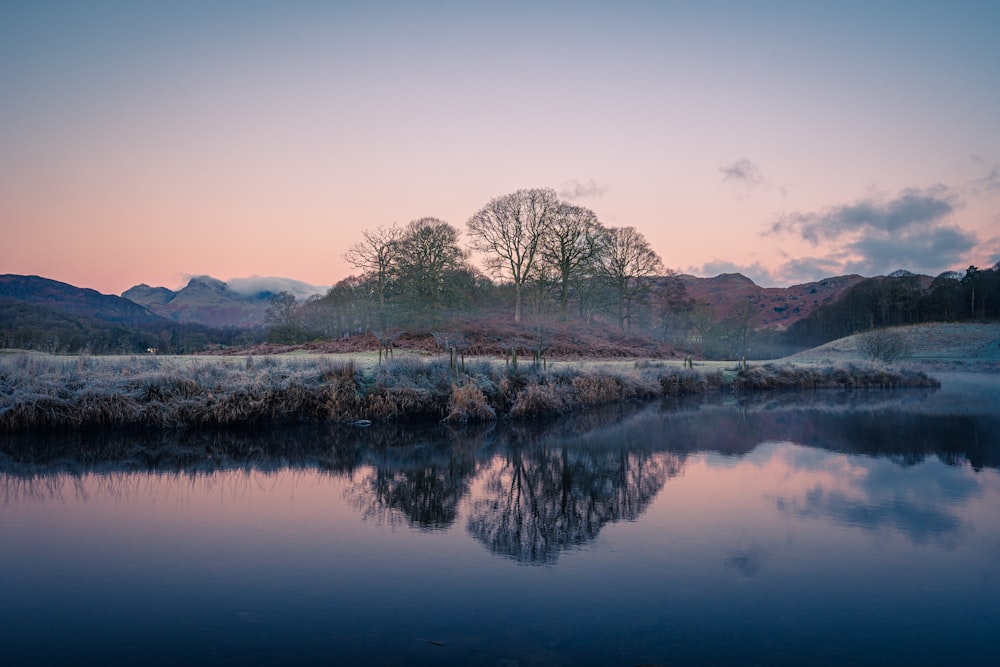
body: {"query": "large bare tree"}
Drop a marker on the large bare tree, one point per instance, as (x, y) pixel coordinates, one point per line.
(572, 239)
(628, 263)
(427, 256)
(509, 231)
(375, 256)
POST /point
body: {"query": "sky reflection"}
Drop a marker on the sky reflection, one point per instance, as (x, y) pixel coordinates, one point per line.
(704, 535)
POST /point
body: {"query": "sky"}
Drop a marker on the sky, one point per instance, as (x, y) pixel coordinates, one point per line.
(145, 142)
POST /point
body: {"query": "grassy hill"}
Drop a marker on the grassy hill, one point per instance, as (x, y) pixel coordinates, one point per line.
(938, 344)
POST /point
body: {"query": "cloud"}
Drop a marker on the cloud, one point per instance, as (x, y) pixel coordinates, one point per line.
(742, 172)
(990, 249)
(911, 209)
(576, 190)
(930, 251)
(260, 284)
(988, 183)
(877, 235)
(809, 269)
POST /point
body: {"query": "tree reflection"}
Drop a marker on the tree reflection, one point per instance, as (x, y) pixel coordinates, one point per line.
(421, 488)
(541, 500)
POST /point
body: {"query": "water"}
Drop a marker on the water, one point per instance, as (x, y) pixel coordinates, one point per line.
(822, 529)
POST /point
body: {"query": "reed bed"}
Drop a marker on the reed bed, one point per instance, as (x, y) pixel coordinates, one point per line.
(39, 392)
(853, 376)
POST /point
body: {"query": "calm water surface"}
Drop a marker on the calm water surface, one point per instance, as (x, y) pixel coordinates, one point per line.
(822, 529)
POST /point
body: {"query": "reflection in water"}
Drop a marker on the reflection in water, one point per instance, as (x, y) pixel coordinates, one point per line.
(922, 501)
(542, 500)
(422, 487)
(847, 530)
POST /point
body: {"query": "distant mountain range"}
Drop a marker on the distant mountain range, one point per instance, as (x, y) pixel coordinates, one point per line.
(241, 303)
(213, 303)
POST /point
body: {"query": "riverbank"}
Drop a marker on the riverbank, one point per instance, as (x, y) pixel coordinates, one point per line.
(41, 392)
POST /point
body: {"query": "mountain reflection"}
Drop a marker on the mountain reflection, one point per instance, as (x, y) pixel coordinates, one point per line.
(543, 500)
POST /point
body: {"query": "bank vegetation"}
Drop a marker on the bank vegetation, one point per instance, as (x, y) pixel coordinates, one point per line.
(42, 392)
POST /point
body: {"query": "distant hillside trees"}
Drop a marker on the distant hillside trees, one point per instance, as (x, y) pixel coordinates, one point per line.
(900, 298)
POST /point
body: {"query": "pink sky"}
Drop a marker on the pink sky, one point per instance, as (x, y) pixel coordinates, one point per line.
(144, 145)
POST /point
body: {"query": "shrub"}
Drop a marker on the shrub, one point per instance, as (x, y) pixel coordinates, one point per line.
(884, 345)
(468, 403)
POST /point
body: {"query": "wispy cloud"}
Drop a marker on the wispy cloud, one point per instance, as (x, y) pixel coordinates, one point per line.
(988, 183)
(582, 190)
(877, 235)
(263, 284)
(742, 172)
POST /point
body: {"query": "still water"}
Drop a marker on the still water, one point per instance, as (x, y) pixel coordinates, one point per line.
(820, 529)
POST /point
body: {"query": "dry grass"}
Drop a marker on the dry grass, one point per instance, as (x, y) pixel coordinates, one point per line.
(41, 392)
(773, 376)
(468, 403)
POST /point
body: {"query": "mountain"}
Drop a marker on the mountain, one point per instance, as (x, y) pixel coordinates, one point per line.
(240, 303)
(76, 301)
(204, 300)
(779, 307)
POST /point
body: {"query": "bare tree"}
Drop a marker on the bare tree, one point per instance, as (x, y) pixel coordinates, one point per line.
(740, 325)
(375, 255)
(572, 239)
(509, 231)
(283, 311)
(675, 306)
(427, 254)
(628, 262)
(885, 345)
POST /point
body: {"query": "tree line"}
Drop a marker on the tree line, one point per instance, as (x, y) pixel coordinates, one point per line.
(544, 258)
(902, 298)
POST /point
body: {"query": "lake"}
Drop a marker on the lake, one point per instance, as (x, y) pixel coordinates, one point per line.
(821, 528)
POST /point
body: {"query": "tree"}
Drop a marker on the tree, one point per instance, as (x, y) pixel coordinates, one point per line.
(572, 239)
(970, 281)
(283, 311)
(284, 320)
(427, 257)
(346, 309)
(739, 325)
(627, 262)
(675, 306)
(375, 256)
(509, 231)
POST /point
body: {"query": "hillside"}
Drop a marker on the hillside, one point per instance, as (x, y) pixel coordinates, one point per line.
(778, 307)
(938, 344)
(204, 300)
(77, 301)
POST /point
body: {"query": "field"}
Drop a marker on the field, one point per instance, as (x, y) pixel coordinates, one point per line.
(937, 345)
(44, 392)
